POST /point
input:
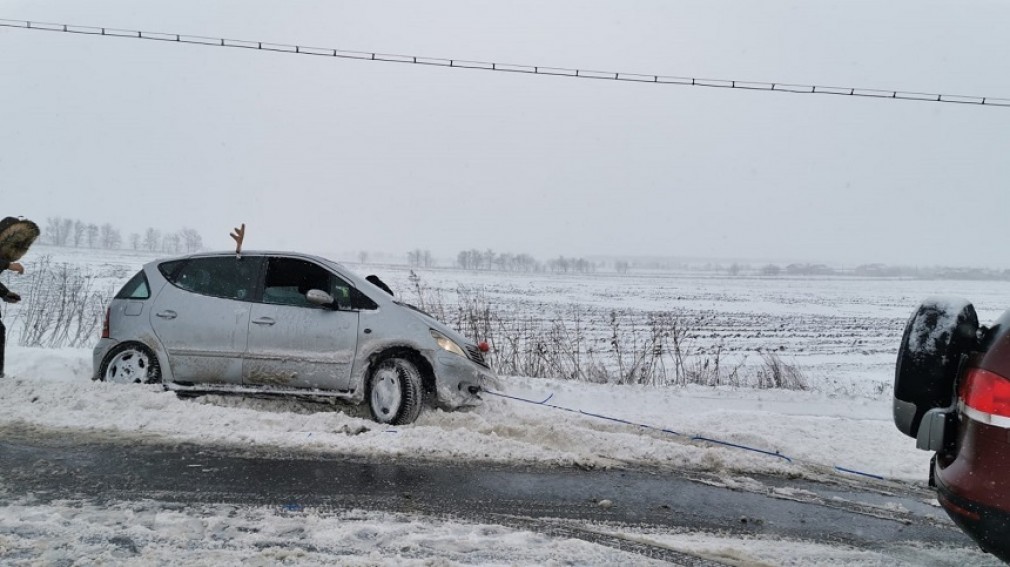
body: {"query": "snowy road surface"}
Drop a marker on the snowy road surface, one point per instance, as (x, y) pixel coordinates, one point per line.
(66, 493)
(141, 516)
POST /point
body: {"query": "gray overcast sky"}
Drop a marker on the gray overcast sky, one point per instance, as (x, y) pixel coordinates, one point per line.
(331, 155)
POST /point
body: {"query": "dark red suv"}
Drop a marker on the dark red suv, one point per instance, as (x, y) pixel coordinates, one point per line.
(952, 394)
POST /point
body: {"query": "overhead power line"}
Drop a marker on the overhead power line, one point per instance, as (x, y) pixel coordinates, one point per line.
(507, 67)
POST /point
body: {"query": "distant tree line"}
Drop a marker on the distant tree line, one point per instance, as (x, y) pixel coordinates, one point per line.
(490, 260)
(888, 271)
(418, 258)
(809, 270)
(575, 265)
(932, 273)
(79, 234)
(474, 259)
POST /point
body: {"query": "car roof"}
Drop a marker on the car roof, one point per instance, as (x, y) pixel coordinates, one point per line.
(216, 254)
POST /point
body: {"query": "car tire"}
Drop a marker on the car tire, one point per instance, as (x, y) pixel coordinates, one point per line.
(936, 336)
(130, 363)
(394, 391)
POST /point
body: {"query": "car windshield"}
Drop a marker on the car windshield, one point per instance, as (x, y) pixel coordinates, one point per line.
(504, 283)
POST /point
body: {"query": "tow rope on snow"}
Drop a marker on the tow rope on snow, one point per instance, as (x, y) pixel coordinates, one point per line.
(695, 438)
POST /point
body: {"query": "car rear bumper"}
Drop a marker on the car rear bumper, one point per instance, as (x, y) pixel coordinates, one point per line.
(989, 527)
(974, 486)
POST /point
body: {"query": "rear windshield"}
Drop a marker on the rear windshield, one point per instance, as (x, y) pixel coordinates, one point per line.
(136, 288)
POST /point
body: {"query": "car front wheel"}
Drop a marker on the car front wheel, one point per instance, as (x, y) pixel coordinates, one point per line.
(394, 392)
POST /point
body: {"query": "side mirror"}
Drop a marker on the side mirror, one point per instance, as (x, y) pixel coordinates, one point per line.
(320, 297)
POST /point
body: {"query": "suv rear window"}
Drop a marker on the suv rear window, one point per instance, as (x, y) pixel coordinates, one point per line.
(136, 288)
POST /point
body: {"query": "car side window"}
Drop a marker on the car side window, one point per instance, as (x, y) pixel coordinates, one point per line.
(136, 288)
(288, 280)
(228, 277)
(168, 269)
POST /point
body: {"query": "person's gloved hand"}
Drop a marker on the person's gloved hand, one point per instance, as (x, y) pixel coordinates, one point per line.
(12, 298)
(16, 267)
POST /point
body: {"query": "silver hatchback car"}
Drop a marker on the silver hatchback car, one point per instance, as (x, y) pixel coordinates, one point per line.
(286, 324)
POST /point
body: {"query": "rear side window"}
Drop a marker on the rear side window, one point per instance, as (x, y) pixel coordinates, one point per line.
(168, 269)
(136, 288)
(228, 277)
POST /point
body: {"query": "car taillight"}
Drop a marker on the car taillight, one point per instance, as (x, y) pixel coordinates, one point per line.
(986, 392)
(105, 325)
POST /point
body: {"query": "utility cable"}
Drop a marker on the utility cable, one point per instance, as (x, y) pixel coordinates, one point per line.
(507, 67)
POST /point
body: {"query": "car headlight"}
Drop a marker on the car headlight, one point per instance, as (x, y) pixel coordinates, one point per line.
(447, 344)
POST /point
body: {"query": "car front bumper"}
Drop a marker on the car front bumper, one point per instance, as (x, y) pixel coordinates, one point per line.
(459, 381)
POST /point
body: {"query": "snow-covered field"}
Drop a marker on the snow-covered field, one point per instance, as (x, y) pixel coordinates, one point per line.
(842, 333)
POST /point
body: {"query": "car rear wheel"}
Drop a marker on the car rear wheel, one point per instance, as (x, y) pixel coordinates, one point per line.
(939, 332)
(130, 364)
(394, 391)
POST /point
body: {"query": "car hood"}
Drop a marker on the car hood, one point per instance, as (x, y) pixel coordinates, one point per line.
(433, 323)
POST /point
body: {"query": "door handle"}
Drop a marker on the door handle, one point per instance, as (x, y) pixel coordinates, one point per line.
(167, 314)
(264, 321)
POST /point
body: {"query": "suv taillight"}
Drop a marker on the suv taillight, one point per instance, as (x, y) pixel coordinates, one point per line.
(986, 392)
(105, 325)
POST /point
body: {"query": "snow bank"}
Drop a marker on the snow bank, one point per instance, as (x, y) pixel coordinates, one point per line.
(151, 533)
(53, 389)
(145, 533)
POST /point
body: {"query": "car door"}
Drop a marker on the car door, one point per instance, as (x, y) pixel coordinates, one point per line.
(202, 317)
(294, 343)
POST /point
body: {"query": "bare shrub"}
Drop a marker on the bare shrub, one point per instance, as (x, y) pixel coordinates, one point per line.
(427, 300)
(576, 342)
(776, 374)
(61, 306)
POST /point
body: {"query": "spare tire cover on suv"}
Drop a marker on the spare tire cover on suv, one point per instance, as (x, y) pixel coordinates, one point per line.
(938, 333)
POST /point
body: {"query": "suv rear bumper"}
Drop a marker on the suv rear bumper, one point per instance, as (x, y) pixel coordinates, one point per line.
(989, 527)
(973, 486)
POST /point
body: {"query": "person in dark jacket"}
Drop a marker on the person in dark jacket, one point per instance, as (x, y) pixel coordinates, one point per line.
(7, 296)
